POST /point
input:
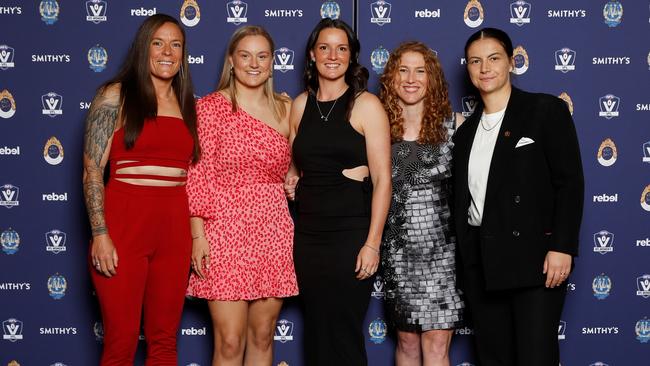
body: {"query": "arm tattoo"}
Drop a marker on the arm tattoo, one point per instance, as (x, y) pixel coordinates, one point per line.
(100, 124)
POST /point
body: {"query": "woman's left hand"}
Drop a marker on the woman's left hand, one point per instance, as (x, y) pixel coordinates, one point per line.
(557, 266)
(367, 261)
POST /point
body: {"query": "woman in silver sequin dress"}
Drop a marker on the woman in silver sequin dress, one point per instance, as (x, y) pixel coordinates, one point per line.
(418, 246)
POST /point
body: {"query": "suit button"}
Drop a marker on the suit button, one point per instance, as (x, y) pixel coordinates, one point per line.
(515, 233)
(517, 199)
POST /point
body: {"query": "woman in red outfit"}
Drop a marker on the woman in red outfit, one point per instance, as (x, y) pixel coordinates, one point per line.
(144, 123)
(241, 229)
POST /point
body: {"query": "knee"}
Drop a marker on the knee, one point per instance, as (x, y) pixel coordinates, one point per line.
(409, 344)
(230, 345)
(435, 344)
(261, 336)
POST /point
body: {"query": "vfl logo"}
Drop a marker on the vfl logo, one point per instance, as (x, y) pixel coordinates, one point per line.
(96, 11)
(380, 12)
(473, 14)
(283, 59)
(52, 104)
(567, 99)
(378, 288)
(607, 153)
(13, 330)
(6, 57)
(7, 104)
(643, 286)
(283, 331)
(55, 241)
(97, 58)
(10, 241)
(379, 59)
(599, 364)
(601, 285)
(330, 9)
(613, 13)
(49, 10)
(520, 13)
(469, 105)
(377, 331)
(520, 57)
(236, 12)
(57, 285)
(561, 330)
(609, 106)
(565, 59)
(9, 196)
(190, 13)
(603, 242)
(642, 330)
(646, 152)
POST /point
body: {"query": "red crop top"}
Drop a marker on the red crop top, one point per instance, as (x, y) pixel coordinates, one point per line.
(164, 141)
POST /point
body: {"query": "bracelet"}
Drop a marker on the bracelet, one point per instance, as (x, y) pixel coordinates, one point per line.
(197, 237)
(374, 249)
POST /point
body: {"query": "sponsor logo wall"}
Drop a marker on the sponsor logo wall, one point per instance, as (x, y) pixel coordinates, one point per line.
(54, 54)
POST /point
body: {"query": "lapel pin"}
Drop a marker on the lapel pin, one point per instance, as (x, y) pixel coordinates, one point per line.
(506, 134)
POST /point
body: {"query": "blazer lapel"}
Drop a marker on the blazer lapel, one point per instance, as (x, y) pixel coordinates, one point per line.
(504, 148)
(463, 149)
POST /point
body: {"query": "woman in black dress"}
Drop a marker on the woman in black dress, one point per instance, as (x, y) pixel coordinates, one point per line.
(341, 147)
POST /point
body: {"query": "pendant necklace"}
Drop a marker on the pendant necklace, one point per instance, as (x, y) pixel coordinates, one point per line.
(325, 118)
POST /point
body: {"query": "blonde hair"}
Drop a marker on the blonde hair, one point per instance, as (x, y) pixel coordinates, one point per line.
(276, 101)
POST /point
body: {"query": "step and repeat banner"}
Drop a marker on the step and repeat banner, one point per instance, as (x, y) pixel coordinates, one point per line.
(594, 54)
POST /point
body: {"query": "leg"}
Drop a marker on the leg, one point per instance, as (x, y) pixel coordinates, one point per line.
(492, 315)
(229, 320)
(262, 316)
(120, 297)
(169, 265)
(435, 347)
(407, 352)
(537, 315)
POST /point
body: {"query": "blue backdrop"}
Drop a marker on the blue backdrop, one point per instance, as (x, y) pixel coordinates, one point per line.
(53, 55)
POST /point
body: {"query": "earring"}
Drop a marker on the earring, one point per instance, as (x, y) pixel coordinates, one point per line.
(232, 70)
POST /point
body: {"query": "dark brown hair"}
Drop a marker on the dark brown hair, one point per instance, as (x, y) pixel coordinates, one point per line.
(137, 95)
(356, 76)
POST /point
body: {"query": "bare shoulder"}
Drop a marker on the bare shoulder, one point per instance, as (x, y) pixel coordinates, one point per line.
(109, 94)
(367, 100)
(367, 107)
(300, 102)
(459, 119)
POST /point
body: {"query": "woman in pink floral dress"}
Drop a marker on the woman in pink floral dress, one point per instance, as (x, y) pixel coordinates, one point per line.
(241, 228)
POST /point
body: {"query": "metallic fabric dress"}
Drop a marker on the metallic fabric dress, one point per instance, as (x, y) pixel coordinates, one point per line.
(418, 248)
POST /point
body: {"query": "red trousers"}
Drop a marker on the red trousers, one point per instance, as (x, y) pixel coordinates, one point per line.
(150, 229)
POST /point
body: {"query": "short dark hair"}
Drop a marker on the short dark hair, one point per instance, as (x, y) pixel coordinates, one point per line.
(497, 34)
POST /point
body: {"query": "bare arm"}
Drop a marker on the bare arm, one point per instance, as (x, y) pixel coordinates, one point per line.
(376, 131)
(297, 109)
(100, 125)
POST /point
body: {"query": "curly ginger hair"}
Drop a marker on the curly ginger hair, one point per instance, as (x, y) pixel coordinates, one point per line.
(436, 101)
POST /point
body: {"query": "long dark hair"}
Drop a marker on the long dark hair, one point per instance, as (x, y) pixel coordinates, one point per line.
(137, 95)
(356, 76)
(494, 33)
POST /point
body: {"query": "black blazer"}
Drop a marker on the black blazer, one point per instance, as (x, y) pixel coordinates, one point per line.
(534, 195)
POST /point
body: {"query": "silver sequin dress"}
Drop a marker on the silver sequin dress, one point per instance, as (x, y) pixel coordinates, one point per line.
(418, 248)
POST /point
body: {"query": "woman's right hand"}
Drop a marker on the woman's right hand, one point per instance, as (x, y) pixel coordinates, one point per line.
(200, 255)
(290, 184)
(104, 255)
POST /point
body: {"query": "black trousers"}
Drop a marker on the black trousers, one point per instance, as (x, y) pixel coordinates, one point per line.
(512, 327)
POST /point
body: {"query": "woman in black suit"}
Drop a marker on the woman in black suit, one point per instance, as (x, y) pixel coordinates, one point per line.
(518, 207)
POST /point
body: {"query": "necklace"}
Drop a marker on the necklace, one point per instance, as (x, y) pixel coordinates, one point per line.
(495, 125)
(326, 117)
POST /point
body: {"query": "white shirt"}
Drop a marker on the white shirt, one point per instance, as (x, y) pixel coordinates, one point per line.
(479, 163)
